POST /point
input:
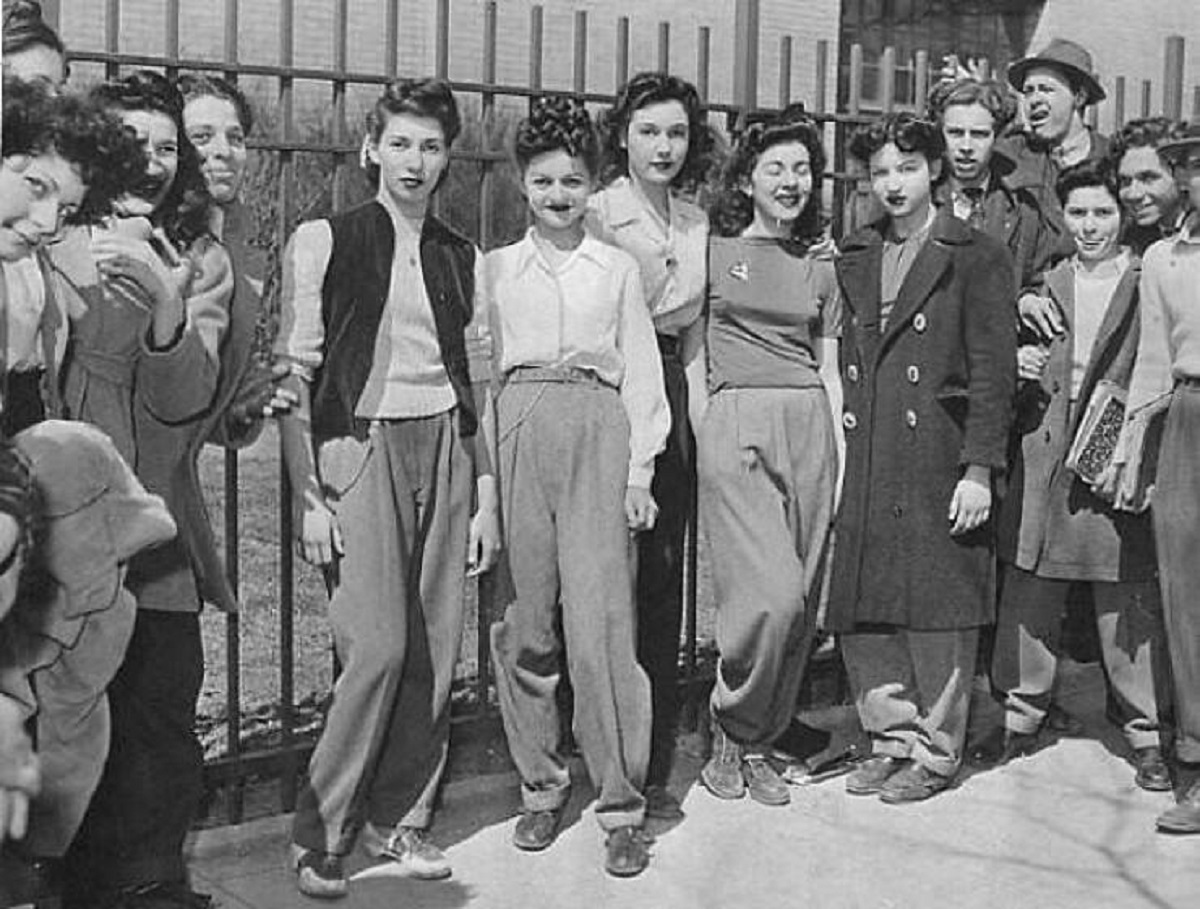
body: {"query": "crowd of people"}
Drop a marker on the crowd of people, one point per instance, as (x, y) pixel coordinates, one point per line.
(926, 437)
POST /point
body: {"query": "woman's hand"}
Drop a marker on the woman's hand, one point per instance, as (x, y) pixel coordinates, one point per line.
(971, 504)
(319, 535)
(20, 776)
(153, 264)
(483, 543)
(1031, 361)
(641, 511)
(1041, 314)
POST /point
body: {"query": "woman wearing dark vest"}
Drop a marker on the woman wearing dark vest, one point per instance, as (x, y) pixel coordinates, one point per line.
(376, 304)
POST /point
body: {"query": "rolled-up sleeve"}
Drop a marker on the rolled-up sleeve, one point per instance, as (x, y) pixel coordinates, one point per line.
(301, 338)
(642, 390)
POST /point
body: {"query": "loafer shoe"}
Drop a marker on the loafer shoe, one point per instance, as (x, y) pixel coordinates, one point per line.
(722, 775)
(1152, 773)
(661, 804)
(536, 830)
(319, 874)
(870, 775)
(913, 783)
(626, 852)
(1185, 816)
(764, 785)
(1001, 746)
(409, 848)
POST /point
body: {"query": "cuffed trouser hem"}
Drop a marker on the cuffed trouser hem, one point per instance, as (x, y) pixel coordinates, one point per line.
(1187, 750)
(544, 798)
(1024, 719)
(613, 820)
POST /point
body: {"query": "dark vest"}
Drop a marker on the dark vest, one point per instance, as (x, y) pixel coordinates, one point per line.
(353, 298)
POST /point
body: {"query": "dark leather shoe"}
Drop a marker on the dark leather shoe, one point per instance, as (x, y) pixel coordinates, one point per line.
(868, 778)
(1062, 723)
(913, 783)
(1152, 772)
(661, 804)
(1185, 816)
(536, 830)
(627, 852)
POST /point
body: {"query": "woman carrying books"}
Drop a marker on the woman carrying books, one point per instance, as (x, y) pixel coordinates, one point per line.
(1054, 529)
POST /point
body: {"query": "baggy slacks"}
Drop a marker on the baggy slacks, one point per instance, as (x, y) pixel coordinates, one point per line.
(396, 610)
(767, 474)
(1176, 509)
(564, 456)
(660, 558)
(912, 690)
(1028, 630)
(143, 807)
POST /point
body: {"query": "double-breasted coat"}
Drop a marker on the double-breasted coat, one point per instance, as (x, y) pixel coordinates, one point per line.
(928, 395)
(1050, 522)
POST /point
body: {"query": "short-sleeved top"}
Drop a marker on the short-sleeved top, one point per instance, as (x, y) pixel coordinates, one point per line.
(768, 303)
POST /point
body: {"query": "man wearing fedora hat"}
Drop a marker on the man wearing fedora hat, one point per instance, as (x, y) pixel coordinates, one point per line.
(1056, 85)
(1168, 364)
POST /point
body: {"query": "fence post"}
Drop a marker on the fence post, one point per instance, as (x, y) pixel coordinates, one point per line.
(745, 55)
(231, 39)
(1173, 77)
(921, 81)
(664, 47)
(536, 24)
(442, 61)
(1196, 103)
(341, 18)
(887, 79)
(821, 76)
(785, 71)
(112, 44)
(703, 43)
(171, 38)
(1146, 90)
(579, 79)
(621, 69)
(287, 586)
(1118, 103)
(391, 39)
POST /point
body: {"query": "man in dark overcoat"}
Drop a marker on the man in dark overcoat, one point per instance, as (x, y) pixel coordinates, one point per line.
(928, 367)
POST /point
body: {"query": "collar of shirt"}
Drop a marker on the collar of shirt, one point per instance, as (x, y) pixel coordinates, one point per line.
(407, 230)
(1189, 232)
(529, 253)
(1106, 270)
(626, 205)
(1073, 149)
(917, 237)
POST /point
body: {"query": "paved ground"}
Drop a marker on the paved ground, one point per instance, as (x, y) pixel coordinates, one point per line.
(1062, 828)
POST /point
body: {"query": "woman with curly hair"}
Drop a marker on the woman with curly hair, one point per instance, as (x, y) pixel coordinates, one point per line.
(148, 297)
(657, 147)
(580, 418)
(768, 461)
(928, 363)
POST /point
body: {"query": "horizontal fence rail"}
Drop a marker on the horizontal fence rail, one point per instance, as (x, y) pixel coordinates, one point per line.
(486, 207)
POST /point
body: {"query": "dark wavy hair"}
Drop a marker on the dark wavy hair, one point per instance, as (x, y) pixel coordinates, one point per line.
(24, 28)
(992, 96)
(1098, 173)
(426, 97)
(38, 121)
(184, 213)
(557, 122)
(204, 85)
(732, 211)
(909, 132)
(655, 88)
(1148, 132)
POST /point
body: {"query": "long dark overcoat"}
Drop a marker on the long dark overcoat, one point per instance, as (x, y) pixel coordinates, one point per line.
(924, 398)
(1050, 522)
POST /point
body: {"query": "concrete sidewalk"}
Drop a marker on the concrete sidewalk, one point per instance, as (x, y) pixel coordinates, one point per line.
(1063, 828)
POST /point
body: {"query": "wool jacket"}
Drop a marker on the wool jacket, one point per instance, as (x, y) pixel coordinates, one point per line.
(1050, 522)
(924, 398)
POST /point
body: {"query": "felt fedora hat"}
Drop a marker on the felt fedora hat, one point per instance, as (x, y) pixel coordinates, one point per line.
(1175, 147)
(1063, 55)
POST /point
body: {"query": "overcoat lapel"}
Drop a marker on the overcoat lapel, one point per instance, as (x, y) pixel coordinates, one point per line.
(860, 264)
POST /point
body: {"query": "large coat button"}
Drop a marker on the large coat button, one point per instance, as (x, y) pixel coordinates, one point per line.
(914, 374)
(852, 372)
(849, 420)
(910, 417)
(920, 322)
